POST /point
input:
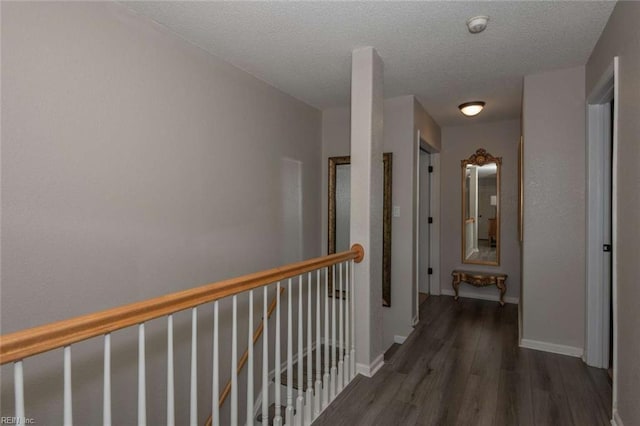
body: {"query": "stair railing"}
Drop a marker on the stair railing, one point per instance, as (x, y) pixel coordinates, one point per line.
(339, 363)
(245, 357)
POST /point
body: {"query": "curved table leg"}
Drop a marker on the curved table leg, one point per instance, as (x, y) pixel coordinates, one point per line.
(502, 286)
(456, 285)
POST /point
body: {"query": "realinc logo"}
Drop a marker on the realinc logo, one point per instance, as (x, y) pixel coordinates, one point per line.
(7, 420)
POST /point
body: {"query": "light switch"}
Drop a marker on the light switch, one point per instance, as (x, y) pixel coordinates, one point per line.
(396, 211)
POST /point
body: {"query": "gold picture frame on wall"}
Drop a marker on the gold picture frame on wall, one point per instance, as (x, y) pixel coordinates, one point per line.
(521, 190)
(335, 162)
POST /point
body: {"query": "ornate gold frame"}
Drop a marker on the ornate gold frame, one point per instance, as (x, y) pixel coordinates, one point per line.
(480, 158)
(521, 190)
(386, 220)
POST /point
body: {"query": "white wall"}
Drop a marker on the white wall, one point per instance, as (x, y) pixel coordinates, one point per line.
(621, 37)
(431, 141)
(399, 138)
(554, 209)
(501, 140)
(134, 165)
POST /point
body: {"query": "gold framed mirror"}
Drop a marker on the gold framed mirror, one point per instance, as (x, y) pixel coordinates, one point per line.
(481, 208)
(340, 213)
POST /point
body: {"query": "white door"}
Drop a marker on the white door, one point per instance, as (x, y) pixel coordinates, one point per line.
(607, 235)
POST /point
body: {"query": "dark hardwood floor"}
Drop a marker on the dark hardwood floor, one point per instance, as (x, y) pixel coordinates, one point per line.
(462, 366)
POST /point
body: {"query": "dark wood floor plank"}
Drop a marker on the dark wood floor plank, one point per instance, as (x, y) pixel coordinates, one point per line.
(581, 393)
(462, 366)
(514, 406)
(397, 413)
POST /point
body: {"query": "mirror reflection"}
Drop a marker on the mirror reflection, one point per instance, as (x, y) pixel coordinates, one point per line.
(343, 207)
(340, 213)
(481, 209)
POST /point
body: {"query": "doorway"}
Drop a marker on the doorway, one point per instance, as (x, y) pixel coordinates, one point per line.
(424, 213)
(601, 327)
(426, 223)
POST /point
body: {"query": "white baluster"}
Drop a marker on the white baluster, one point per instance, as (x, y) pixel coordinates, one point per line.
(250, 400)
(334, 346)
(234, 363)
(193, 397)
(171, 417)
(277, 420)
(300, 398)
(326, 378)
(353, 323)
(18, 387)
(340, 335)
(215, 393)
(289, 413)
(68, 409)
(318, 389)
(142, 396)
(347, 328)
(265, 358)
(308, 408)
(106, 391)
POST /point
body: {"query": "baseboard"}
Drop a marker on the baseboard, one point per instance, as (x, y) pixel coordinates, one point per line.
(551, 347)
(399, 339)
(616, 420)
(492, 297)
(370, 370)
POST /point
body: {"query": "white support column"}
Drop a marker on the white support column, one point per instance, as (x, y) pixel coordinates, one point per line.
(142, 378)
(106, 393)
(19, 389)
(68, 406)
(171, 416)
(317, 402)
(193, 391)
(366, 203)
(215, 392)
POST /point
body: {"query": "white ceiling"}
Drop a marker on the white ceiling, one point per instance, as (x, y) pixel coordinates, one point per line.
(304, 48)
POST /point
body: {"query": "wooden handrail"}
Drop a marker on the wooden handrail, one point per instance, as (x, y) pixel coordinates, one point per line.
(245, 356)
(26, 343)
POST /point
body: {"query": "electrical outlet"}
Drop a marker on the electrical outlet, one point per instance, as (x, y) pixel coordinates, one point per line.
(396, 211)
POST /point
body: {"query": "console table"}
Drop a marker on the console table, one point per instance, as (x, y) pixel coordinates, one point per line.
(480, 279)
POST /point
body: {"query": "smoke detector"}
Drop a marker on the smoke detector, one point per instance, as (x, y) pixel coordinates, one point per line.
(477, 24)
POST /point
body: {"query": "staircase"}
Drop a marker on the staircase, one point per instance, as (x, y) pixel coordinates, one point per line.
(307, 288)
(315, 374)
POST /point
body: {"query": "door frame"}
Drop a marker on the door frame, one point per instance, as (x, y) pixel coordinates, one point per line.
(434, 207)
(422, 223)
(599, 299)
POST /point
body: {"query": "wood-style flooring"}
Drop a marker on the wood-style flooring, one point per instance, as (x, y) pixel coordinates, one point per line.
(462, 366)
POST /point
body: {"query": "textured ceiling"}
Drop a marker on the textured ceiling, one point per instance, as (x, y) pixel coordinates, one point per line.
(304, 48)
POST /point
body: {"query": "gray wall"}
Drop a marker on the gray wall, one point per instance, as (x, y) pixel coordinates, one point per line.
(134, 165)
(622, 38)
(501, 140)
(399, 138)
(429, 130)
(554, 208)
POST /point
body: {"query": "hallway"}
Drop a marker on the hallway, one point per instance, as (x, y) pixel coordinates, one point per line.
(462, 366)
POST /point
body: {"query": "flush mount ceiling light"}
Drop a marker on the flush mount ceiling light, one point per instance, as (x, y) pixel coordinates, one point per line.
(477, 24)
(471, 108)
